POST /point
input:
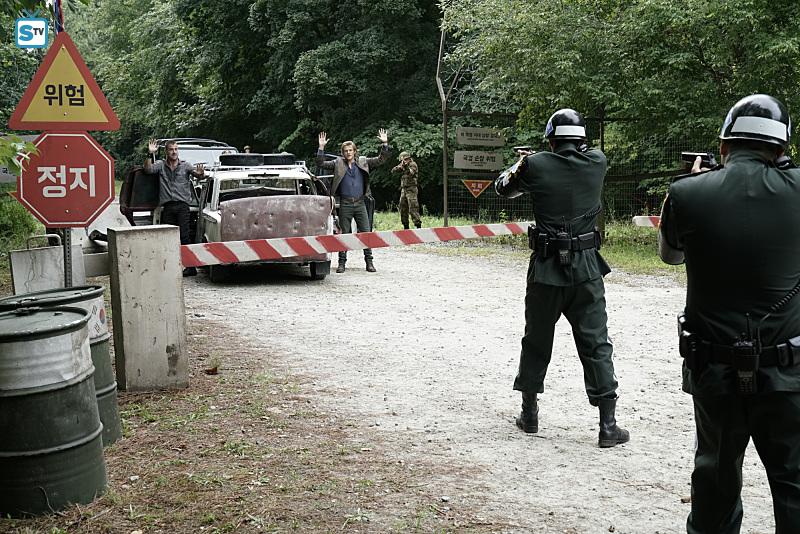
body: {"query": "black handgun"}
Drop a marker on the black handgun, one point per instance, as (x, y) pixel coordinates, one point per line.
(707, 160)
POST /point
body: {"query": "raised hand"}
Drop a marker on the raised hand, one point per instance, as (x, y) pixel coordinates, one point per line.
(383, 135)
(199, 170)
(152, 146)
(323, 140)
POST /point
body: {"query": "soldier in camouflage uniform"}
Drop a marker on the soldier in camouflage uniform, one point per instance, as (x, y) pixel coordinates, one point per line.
(409, 189)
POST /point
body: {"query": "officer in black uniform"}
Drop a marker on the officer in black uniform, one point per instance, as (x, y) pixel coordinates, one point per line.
(565, 274)
(737, 228)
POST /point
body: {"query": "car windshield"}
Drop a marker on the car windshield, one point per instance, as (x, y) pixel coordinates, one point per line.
(264, 185)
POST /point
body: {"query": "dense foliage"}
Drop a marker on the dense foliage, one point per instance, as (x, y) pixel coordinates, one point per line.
(273, 73)
(266, 73)
(676, 64)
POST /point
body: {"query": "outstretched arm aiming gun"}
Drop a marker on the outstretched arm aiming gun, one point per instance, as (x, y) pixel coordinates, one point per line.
(508, 183)
(694, 163)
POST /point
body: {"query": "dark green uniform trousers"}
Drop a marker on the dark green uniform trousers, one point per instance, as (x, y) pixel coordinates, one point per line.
(409, 203)
(584, 306)
(725, 424)
(349, 210)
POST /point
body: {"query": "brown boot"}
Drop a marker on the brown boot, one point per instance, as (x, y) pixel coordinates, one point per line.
(528, 420)
(370, 266)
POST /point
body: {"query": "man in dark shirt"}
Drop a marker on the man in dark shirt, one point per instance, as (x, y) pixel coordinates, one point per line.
(175, 189)
(737, 228)
(351, 187)
(565, 273)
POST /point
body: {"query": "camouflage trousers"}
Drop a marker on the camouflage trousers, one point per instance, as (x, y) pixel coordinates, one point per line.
(409, 204)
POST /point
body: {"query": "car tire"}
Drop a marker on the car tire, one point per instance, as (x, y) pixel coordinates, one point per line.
(318, 271)
(219, 273)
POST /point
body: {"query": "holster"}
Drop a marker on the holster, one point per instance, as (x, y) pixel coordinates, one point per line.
(562, 244)
(533, 234)
(689, 347)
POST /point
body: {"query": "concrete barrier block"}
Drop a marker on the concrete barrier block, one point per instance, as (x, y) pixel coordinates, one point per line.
(149, 318)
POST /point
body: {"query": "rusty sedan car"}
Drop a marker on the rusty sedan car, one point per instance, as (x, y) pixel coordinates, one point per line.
(264, 201)
(242, 197)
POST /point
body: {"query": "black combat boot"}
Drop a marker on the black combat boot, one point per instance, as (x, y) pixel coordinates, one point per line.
(340, 269)
(610, 433)
(528, 420)
(370, 265)
(418, 225)
(405, 226)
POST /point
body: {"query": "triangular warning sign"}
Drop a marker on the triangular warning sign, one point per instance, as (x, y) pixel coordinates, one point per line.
(476, 187)
(63, 95)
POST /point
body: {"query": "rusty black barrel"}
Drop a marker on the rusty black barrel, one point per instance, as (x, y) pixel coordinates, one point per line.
(51, 448)
(89, 298)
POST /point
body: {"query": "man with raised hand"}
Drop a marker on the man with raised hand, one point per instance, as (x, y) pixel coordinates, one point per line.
(175, 189)
(351, 187)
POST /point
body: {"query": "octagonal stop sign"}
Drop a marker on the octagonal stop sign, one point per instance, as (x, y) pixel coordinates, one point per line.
(69, 182)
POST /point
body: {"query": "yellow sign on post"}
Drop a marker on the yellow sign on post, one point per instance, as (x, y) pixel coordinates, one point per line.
(63, 95)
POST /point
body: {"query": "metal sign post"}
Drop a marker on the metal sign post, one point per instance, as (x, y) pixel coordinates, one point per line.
(67, 241)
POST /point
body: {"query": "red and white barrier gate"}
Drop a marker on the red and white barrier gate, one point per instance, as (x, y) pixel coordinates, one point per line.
(289, 247)
(652, 221)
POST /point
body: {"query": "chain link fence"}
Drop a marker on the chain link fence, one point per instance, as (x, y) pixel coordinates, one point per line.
(639, 173)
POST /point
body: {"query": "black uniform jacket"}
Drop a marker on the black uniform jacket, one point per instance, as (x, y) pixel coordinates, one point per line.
(566, 187)
(739, 230)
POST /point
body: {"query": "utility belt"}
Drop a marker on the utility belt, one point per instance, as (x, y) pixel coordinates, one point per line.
(745, 356)
(561, 244)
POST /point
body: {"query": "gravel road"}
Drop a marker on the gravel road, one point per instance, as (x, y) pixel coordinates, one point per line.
(425, 351)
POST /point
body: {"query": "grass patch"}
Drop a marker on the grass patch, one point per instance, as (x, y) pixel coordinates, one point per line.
(634, 249)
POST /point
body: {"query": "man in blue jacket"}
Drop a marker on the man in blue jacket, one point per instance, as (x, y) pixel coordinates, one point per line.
(351, 187)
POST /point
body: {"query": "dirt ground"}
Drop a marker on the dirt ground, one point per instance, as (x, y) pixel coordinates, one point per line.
(424, 352)
(382, 403)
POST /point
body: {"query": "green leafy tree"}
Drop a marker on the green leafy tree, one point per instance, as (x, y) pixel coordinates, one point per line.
(676, 64)
(267, 73)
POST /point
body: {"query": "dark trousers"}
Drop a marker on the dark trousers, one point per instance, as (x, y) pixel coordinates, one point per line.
(177, 214)
(584, 306)
(349, 210)
(725, 425)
